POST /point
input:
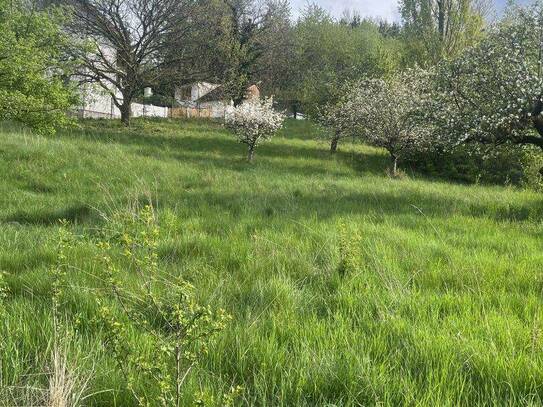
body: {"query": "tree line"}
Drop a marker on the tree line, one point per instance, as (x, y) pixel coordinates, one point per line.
(444, 76)
(126, 45)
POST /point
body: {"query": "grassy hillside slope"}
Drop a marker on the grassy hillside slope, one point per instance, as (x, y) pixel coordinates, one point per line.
(442, 304)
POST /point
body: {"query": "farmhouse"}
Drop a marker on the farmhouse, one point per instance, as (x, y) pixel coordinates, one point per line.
(204, 99)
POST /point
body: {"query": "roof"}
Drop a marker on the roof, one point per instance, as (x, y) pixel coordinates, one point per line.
(191, 84)
(216, 94)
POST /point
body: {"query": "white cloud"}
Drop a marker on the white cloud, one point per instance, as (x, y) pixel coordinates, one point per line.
(386, 9)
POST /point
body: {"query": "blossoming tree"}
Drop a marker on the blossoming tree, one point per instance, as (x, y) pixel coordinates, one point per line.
(385, 113)
(338, 119)
(493, 93)
(253, 122)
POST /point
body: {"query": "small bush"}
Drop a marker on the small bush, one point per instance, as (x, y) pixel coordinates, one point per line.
(161, 332)
(503, 165)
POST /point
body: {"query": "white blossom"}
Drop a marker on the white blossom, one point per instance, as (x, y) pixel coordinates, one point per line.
(253, 122)
(492, 93)
(384, 113)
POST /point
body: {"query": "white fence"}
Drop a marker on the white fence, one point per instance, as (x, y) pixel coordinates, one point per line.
(101, 106)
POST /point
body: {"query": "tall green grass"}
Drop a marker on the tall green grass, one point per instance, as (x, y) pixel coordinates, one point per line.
(346, 287)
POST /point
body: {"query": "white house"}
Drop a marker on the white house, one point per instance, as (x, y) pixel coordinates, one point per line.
(204, 99)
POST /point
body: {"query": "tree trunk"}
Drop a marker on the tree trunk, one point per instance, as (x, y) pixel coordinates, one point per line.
(251, 153)
(441, 20)
(333, 144)
(394, 166)
(126, 113)
(537, 120)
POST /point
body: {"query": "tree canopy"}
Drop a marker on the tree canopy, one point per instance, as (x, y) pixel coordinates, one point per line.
(33, 89)
(329, 53)
(492, 93)
(130, 44)
(385, 113)
(437, 29)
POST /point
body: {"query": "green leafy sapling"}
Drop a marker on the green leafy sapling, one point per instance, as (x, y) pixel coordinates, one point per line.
(162, 309)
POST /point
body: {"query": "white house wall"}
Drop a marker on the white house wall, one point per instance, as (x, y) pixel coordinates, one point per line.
(201, 89)
(97, 104)
(197, 91)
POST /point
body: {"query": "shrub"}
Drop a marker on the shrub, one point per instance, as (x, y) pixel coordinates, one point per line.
(349, 251)
(173, 329)
(505, 164)
(253, 122)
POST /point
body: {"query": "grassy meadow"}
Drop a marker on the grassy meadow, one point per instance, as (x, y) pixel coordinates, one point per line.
(346, 287)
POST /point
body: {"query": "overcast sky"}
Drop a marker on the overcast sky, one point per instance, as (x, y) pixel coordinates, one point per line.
(386, 9)
(368, 8)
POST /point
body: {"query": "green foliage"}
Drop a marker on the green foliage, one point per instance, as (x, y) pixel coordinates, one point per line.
(349, 251)
(32, 89)
(438, 29)
(60, 269)
(502, 165)
(158, 99)
(3, 293)
(176, 329)
(226, 400)
(329, 53)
